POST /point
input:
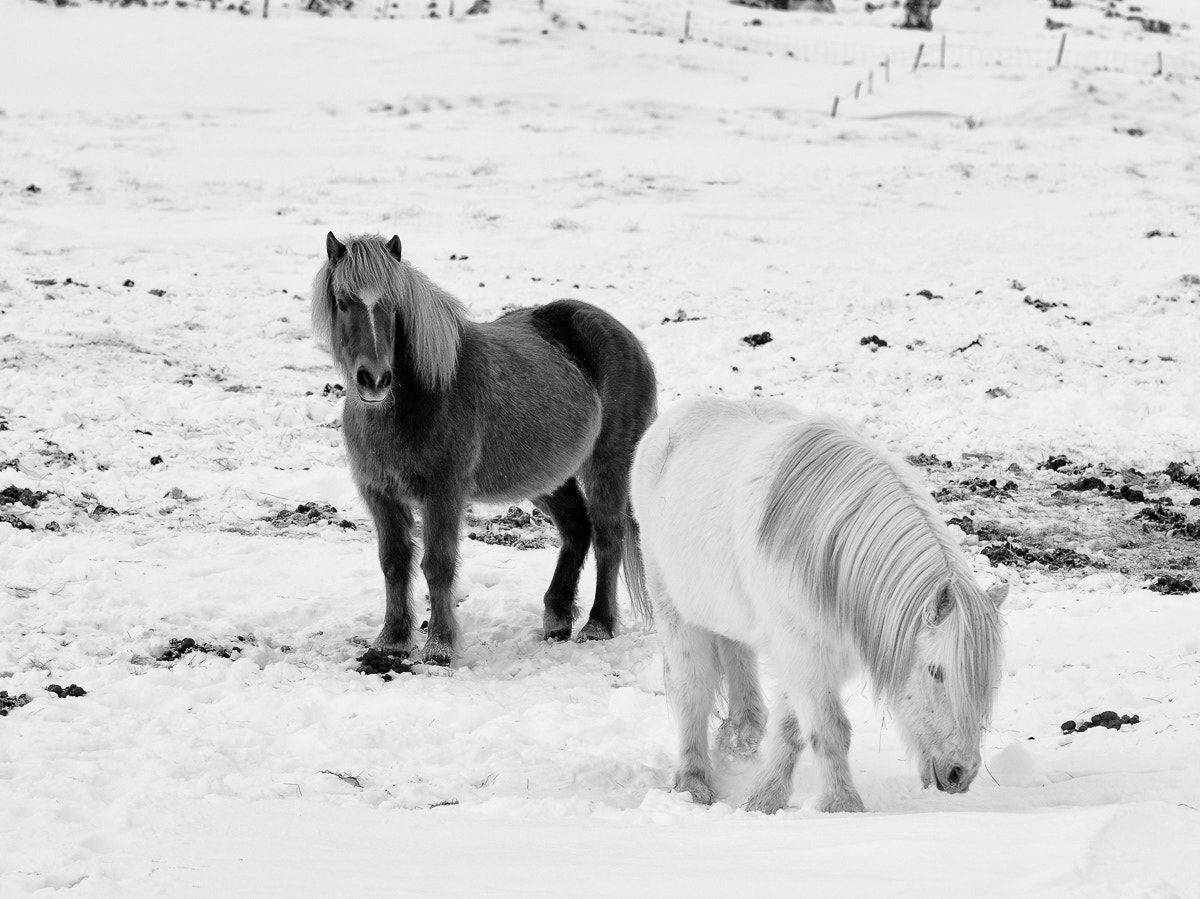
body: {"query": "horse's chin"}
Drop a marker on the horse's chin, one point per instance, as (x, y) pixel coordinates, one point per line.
(928, 778)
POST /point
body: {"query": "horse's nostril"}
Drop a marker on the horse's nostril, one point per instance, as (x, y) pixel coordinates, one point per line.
(385, 381)
(365, 380)
(955, 775)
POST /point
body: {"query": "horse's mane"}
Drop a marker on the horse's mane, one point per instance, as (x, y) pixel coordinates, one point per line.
(866, 543)
(433, 319)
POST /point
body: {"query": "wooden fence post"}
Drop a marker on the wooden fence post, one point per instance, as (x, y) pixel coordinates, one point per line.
(917, 61)
(267, 3)
(887, 69)
(942, 54)
(1062, 45)
(871, 81)
(687, 25)
(833, 115)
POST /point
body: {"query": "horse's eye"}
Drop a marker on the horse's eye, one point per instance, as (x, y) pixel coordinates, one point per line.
(341, 304)
(936, 672)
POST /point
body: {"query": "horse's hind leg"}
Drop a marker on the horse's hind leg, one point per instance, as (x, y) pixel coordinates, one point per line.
(691, 675)
(607, 489)
(746, 718)
(567, 510)
(774, 786)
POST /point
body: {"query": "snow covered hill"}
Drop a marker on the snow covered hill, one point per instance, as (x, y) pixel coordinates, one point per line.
(1024, 240)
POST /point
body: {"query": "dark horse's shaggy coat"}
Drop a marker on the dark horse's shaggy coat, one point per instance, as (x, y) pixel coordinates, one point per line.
(546, 403)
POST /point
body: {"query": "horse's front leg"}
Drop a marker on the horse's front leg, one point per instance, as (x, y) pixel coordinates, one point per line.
(441, 524)
(393, 526)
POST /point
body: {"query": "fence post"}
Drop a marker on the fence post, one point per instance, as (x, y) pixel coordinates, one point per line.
(871, 81)
(687, 25)
(857, 88)
(920, 50)
(267, 3)
(887, 69)
(1160, 65)
(1062, 45)
(942, 54)
(833, 115)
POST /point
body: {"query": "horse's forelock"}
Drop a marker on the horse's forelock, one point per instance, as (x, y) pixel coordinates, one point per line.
(322, 308)
(969, 645)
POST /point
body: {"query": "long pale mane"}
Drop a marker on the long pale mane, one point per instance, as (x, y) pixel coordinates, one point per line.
(433, 319)
(865, 542)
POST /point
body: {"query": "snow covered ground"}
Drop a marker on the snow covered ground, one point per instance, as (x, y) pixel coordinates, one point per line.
(166, 181)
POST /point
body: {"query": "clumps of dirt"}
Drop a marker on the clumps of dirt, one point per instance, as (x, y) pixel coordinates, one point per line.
(1054, 463)
(1041, 305)
(1087, 483)
(1160, 518)
(1057, 558)
(8, 703)
(874, 341)
(67, 691)
(682, 316)
(927, 460)
(989, 488)
(178, 647)
(516, 528)
(1109, 719)
(307, 514)
(373, 661)
(1173, 585)
(24, 496)
(757, 340)
(1183, 474)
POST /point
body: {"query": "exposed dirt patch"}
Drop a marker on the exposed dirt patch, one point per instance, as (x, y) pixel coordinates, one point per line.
(1109, 719)
(1074, 518)
(8, 703)
(69, 690)
(182, 646)
(307, 514)
(516, 528)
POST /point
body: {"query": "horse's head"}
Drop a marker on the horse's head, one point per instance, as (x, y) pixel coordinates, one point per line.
(946, 699)
(384, 321)
(361, 322)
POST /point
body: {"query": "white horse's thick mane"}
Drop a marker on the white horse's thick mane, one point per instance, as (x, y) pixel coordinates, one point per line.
(433, 319)
(866, 543)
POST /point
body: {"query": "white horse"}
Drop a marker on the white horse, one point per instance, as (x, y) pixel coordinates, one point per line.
(768, 532)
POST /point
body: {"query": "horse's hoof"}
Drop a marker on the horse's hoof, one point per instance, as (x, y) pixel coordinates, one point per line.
(847, 802)
(593, 631)
(738, 739)
(558, 635)
(766, 801)
(436, 653)
(698, 786)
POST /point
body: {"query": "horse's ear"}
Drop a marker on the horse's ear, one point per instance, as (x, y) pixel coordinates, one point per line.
(335, 248)
(393, 246)
(997, 593)
(943, 605)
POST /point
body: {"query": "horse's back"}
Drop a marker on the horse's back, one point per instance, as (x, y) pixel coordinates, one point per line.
(693, 486)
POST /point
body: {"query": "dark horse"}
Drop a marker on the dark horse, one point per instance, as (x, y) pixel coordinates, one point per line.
(546, 403)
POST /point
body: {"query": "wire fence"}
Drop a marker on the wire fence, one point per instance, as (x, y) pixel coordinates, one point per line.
(744, 29)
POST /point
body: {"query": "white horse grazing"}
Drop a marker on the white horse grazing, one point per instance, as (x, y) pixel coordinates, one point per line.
(769, 532)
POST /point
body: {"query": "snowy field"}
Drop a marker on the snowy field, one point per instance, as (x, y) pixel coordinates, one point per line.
(167, 178)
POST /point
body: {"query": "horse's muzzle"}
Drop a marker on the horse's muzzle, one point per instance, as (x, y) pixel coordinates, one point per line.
(953, 778)
(373, 386)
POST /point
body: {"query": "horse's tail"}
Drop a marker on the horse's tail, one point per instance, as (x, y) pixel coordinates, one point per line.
(634, 568)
